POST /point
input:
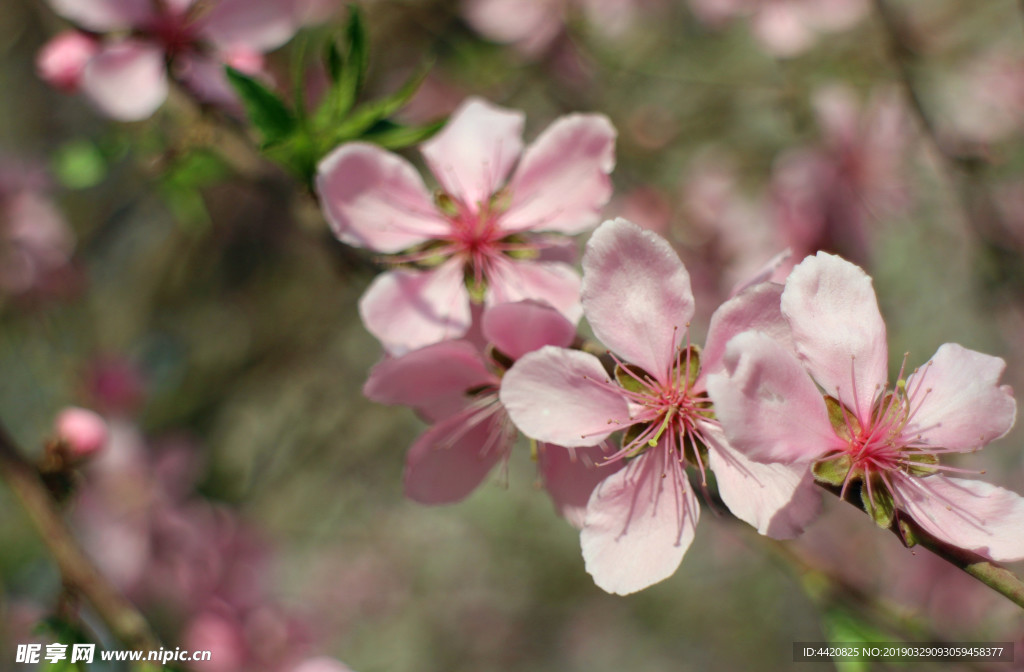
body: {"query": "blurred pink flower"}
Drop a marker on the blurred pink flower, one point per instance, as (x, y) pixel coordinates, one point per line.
(770, 401)
(532, 26)
(984, 101)
(126, 77)
(35, 240)
(84, 432)
(825, 196)
(733, 235)
(62, 60)
(785, 28)
(478, 240)
(115, 385)
(320, 664)
(455, 385)
(640, 520)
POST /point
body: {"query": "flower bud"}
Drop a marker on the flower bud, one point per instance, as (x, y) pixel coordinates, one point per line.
(82, 432)
(61, 60)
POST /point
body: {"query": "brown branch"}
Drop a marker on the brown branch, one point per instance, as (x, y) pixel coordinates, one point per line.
(78, 572)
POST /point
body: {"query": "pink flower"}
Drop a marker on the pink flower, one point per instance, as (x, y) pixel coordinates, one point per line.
(533, 26)
(824, 197)
(62, 60)
(785, 28)
(640, 520)
(478, 239)
(84, 432)
(320, 664)
(455, 386)
(126, 77)
(36, 242)
(856, 429)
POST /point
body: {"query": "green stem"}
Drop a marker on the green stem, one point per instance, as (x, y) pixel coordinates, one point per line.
(78, 572)
(996, 577)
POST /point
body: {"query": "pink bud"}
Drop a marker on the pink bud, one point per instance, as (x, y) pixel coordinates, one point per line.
(83, 431)
(243, 59)
(221, 635)
(61, 60)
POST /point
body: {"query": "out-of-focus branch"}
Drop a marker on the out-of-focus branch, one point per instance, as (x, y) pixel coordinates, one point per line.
(78, 572)
(899, 43)
(963, 169)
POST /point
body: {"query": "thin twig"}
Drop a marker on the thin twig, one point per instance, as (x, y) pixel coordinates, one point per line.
(77, 570)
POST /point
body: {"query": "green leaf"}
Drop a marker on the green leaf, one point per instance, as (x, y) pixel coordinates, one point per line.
(842, 627)
(688, 362)
(630, 376)
(197, 169)
(842, 419)
(358, 56)
(631, 434)
(833, 470)
(334, 61)
(79, 164)
(398, 137)
(365, 116)
(879, 504)
(187, 206)
(907, 534)
(264, 108)
(922, 464)
(347, 70)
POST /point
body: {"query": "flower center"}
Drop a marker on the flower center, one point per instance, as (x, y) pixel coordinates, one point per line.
(666, 411)
(881, 450)
(175, 31)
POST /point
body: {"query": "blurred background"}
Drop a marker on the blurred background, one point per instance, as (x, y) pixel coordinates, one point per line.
(249, 499)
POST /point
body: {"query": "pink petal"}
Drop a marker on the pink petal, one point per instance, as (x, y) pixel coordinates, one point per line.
(205, 77)
(530, 25)
(775, 270)
(838, 330)
(375, 199)
(262, 25)
(521, 327)
(777, 499)
(636, 295)
(782, 29)
(769, 408)
(433, 379)
(453, 457)
(126, 81)
(755, 309)
(563, 397)
(962, 405)
(562, 181)
(406, 310)
(550, 282)
(975, 515)
(104, 16)
(320, 664)
(638, 525)
(570, 476)
(473, 155)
